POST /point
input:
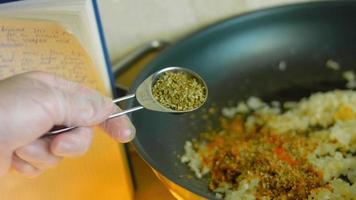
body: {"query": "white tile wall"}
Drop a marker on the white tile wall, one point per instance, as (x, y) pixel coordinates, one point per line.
(129, 23)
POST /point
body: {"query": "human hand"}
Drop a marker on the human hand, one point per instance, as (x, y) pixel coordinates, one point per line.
(32, 103)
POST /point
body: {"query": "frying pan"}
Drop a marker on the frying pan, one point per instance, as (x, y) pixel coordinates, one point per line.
(239, 58)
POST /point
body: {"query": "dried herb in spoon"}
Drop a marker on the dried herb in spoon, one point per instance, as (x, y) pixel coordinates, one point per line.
(179, 91)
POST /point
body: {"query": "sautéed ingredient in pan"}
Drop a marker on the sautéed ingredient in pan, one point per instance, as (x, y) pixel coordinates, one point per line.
(301, 150)
(178, 91)
(350, 77)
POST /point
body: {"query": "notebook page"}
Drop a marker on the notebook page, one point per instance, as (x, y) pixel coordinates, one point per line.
(45, 46)
(76, 16)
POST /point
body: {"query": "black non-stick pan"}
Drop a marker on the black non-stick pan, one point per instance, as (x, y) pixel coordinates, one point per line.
(241, 57)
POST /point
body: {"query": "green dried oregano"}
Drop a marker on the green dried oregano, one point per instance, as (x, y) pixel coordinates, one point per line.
(179, 91)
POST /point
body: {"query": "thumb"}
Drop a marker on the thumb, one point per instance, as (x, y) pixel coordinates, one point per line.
(120, 128)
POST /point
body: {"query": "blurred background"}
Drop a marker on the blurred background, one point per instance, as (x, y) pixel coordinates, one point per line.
(130, 23)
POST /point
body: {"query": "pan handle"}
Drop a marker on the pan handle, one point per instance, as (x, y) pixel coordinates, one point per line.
(140, 52)
(123, 64)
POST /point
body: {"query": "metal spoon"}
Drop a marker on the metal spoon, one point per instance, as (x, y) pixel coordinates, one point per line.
(145, 98)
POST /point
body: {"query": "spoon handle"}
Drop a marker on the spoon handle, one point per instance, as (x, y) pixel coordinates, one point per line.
(129, 96)
(62, 130)
(125, 112)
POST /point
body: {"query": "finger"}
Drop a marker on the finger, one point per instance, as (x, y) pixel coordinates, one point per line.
(73, 143)
(120, 128)
(38, 154)
(74, 104)
(5, 158)
(24, 168)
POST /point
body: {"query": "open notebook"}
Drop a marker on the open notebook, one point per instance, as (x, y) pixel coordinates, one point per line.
(65, 38)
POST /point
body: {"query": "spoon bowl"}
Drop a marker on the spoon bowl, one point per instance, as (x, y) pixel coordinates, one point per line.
(146, 99)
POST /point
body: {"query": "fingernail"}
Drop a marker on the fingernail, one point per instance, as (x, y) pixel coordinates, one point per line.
(128, 134)
(66, 147)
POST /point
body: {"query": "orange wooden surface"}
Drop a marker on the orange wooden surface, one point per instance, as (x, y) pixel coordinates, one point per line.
(100, 174)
